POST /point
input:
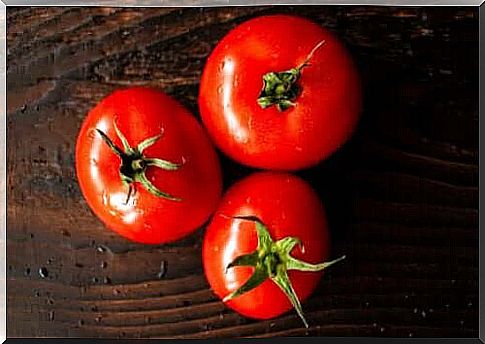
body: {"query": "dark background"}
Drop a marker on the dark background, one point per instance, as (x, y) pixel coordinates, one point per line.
(402, 195)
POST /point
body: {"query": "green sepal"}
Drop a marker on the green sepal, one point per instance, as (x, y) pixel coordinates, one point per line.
(110, 143)
(250, 259)
(283, 281)
(148, 142)
(122, 138)
(259, 276)
(295, 264)
(272, 260)
(134, 164)
(142, 178)
(281, 88)
(163, 164)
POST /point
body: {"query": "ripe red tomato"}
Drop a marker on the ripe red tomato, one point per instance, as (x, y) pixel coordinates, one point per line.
(145, 166)
(253, 240)
(279, 92)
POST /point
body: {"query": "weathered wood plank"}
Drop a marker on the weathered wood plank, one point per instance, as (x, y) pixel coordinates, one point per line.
(401, 196)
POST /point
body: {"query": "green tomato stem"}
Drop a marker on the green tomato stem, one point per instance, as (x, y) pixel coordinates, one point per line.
(134, 164)
(272, 260)
(281, 88)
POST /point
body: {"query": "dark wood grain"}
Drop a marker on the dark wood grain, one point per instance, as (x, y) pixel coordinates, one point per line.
(401, 196)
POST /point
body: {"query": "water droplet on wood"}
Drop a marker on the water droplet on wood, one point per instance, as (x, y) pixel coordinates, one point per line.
(163, 269)
(43, 272)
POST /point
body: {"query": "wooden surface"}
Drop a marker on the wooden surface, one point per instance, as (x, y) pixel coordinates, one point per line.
(402, 196)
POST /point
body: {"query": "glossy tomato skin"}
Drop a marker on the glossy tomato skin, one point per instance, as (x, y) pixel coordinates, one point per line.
(141, 113)
(326, 111)
(289, 207)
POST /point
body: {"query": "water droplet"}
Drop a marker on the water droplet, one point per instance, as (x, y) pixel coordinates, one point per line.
(410, 335)
(415, 311)
(23, 108)
(382, 329)
(116, 292)
(81, 322)
(220, 89)
(163, 269)
(105, 198)
(103, 265)
(94, 308)
(101, 248)
(36, 293)
(367, 304)
(107, 280)
(431, 310)
(27, 272)
(470, 304)
(51, 316)
(95, 280)
(43, 272)
(423, 314)
(98, 319)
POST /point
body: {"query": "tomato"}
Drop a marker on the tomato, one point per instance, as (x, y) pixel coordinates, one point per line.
(145, 166)
(266, 228)
(279, 92)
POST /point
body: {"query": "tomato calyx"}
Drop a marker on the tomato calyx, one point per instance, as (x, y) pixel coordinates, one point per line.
(134, 164)
(281, 88)
(272, 259)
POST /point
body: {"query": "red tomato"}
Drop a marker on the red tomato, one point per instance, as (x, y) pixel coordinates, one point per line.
(308, 107)
(289, 209)
(154, 192)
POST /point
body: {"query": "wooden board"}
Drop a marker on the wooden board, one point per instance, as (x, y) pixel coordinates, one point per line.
(402, 196)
